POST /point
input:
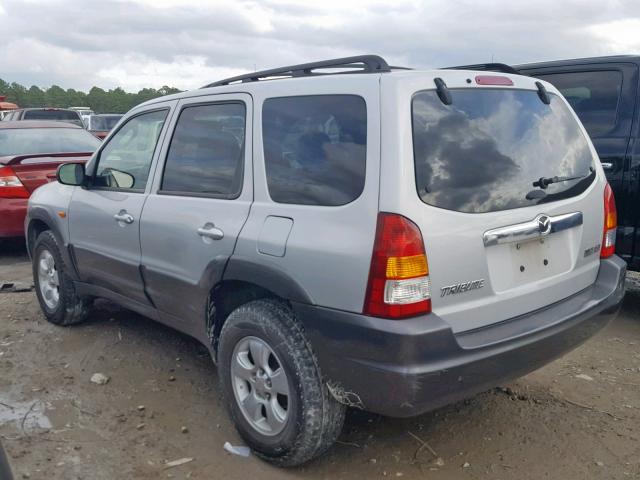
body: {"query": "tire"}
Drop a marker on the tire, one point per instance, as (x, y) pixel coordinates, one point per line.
(314, 418)
(64, 307)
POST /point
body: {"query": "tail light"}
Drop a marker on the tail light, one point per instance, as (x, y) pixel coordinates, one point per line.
(10, 185)
(399, 275)
(610, 224)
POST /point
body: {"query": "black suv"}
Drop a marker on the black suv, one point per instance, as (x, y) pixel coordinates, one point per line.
(604, 92)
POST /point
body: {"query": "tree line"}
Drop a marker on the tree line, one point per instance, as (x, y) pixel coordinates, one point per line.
(99, 100)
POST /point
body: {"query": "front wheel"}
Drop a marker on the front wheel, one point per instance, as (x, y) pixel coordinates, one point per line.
(272, 385)
(54, 288)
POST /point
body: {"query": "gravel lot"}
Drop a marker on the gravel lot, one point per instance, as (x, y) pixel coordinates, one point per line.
(579, 417)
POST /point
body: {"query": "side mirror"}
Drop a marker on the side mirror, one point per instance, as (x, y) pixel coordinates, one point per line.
(121, 179)
(71, 174)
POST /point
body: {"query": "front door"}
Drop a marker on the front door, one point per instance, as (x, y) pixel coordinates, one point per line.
(199, 202)
(104, 218)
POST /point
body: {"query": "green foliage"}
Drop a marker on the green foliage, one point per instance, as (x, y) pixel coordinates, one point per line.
(100, 101)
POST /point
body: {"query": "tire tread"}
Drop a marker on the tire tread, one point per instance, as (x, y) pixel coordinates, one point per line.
(74, 309)
(318, 431)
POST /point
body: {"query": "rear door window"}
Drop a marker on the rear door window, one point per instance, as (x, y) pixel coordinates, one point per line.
(483, 152)
(315, 148)
(593, 95)
(207, 151)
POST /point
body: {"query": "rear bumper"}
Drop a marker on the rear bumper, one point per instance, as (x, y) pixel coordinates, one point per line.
(12, 214)
(404, 368)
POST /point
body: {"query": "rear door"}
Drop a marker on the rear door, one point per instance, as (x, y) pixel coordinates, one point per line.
(498, 246)
(201, 198)
(604, 98)
(104, 218)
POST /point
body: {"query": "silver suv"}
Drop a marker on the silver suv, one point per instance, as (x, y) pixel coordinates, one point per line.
(344, 234)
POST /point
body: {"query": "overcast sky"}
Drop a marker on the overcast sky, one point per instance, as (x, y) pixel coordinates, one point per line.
(138, 43)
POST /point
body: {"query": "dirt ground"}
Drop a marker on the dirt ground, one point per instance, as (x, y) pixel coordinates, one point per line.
(577, 418)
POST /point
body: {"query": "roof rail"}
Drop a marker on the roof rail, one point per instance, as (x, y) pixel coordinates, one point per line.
(357, 64)
(490, 67)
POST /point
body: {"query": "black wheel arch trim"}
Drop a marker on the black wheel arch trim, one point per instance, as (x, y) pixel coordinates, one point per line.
(268, 277)
(42, 215)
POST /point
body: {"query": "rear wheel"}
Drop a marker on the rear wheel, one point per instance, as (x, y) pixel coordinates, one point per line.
(272, 385)
(54, 288)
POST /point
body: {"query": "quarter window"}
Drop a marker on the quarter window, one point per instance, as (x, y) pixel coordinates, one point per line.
(593, 95)
(125, 161)
(315, 148)
(207, 151)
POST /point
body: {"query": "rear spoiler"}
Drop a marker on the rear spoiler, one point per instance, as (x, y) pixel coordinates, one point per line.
(19, 158)
(489, 67)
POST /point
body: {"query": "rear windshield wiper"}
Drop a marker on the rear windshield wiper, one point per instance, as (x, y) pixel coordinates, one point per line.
(544, 182)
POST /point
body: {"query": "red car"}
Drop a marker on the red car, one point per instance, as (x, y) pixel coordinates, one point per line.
(30, 153)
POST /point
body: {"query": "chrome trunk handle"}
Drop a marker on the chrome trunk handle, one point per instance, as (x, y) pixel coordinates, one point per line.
(540, 226)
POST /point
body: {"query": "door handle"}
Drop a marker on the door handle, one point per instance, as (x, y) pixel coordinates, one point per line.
(124, 217)
(607, 165)
(209, 230)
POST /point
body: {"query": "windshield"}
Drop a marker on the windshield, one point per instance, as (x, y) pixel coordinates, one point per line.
(62, 115)
(26, 141)
(104, 123)
(483, 152)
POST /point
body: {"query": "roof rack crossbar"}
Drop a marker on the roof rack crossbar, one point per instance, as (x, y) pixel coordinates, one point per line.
(489, 67)
(357, 64)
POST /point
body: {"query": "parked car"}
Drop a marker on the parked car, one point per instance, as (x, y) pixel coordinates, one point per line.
(50, 114)
(385, 239)
(85, 113)
(605, 92)
(101, 125)
(5, 106)
(30, 153)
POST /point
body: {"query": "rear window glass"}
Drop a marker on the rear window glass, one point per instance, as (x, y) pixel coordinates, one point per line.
(315, 148)
(593, 95)
(26, 141)
(64, 115)
(483, 152)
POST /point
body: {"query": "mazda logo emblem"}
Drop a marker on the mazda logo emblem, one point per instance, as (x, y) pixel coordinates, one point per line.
(544, 224)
